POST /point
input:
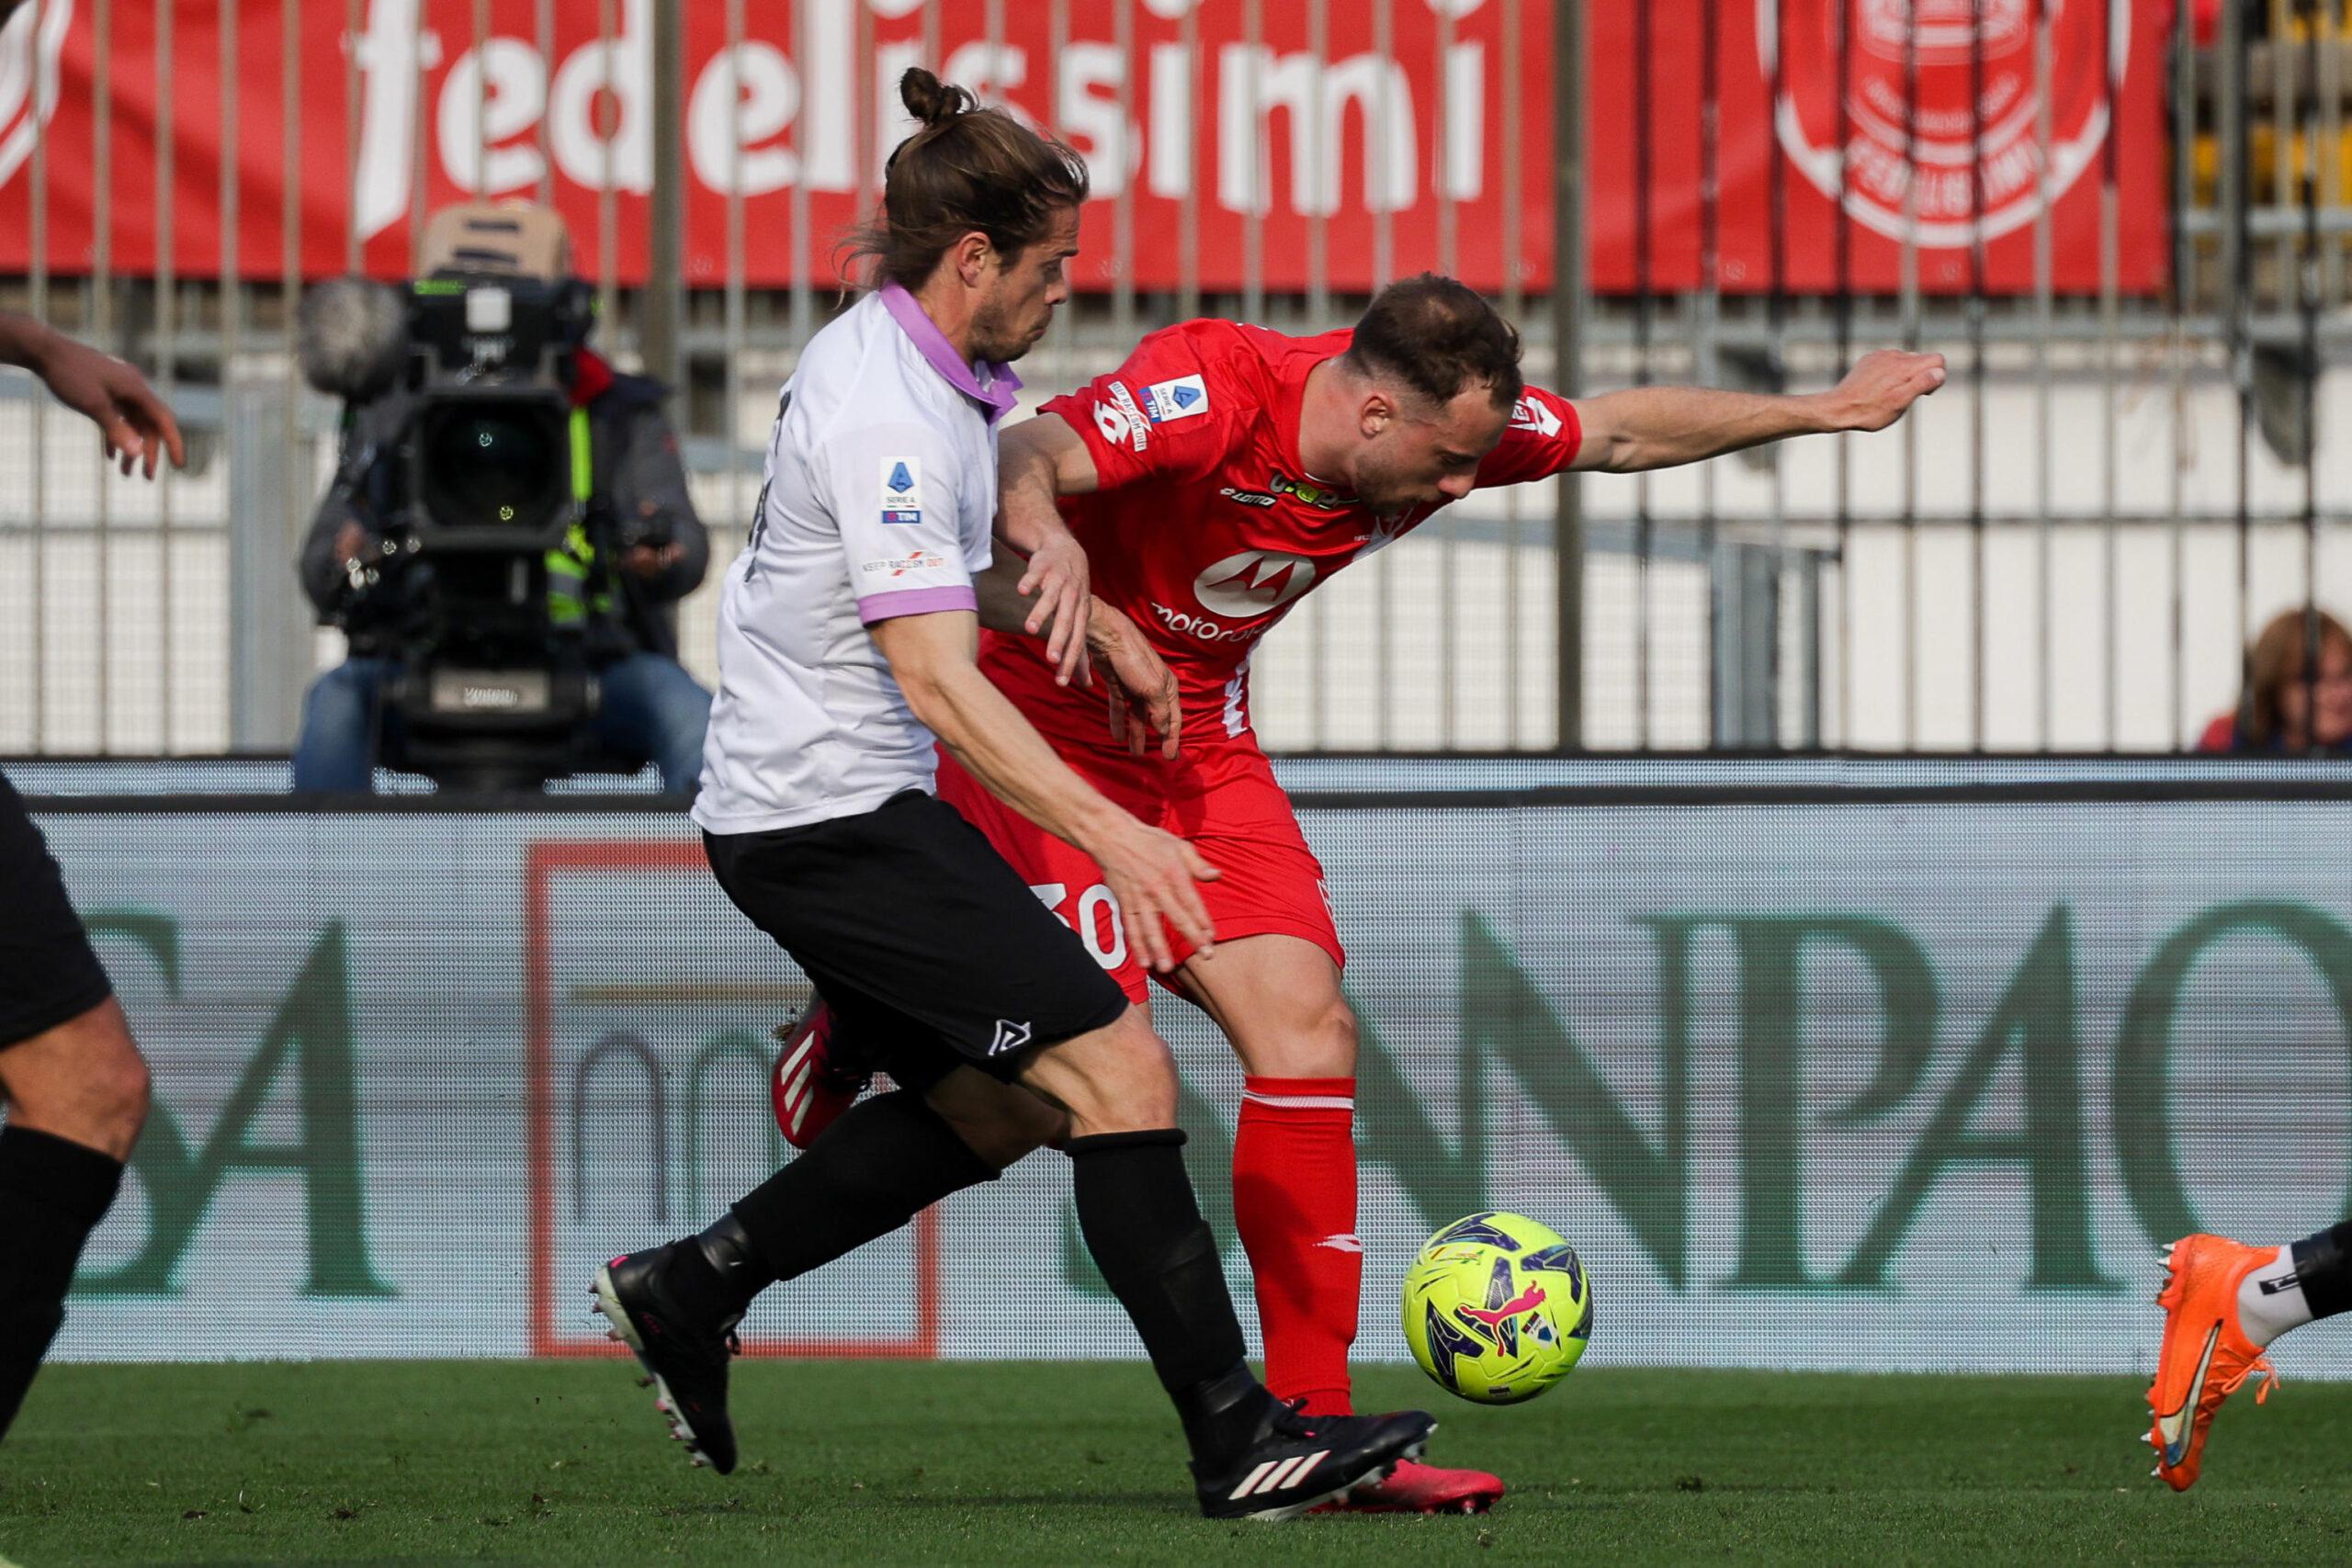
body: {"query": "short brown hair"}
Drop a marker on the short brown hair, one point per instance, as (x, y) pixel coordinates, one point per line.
(2276, 662)
(966, 169)
(1438, 336)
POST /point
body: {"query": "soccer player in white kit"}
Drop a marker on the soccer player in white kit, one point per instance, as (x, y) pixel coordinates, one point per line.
(848, 641)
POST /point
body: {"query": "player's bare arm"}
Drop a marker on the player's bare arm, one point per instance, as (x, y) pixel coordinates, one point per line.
(1053, 583)
(1140, 688)
(1031, 466)
(1149, 872)
(1039, 460)
(135, 424)
(1661, 427)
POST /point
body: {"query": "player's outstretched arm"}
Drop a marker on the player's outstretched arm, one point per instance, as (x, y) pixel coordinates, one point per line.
(1151, 873)
(134, 423)
(1034, 461)
(1660, 427)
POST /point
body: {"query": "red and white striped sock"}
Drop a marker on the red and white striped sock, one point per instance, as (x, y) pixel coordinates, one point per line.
(1294, 1202)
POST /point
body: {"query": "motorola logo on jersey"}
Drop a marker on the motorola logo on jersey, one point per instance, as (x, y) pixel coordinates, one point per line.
(1201, 628)
(1255, 582)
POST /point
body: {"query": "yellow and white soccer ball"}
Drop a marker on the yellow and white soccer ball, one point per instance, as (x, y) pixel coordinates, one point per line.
(1497, 1308)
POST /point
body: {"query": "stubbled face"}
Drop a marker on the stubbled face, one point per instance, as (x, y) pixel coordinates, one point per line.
(2334, 691)
(1413, 454)
(1018, 295)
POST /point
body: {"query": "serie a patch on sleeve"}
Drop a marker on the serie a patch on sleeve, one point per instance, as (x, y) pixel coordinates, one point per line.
(1180, 398)
(903, 490)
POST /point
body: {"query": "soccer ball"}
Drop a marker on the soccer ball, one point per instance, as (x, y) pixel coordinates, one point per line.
(1496, 1308)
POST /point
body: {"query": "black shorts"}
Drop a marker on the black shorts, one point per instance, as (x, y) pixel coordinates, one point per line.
(929, 947)
(48, 974)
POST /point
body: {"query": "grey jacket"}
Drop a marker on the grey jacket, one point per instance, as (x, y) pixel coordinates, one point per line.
(637, 473)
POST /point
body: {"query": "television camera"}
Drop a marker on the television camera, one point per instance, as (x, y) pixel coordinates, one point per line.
(479, 494)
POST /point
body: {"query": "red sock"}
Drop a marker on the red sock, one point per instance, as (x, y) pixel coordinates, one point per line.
(1295, 1201)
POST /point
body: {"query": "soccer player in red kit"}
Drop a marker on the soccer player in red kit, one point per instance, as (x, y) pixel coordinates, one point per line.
(1212, 480)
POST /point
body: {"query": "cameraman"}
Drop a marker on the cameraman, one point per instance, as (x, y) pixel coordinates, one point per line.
(616, 580)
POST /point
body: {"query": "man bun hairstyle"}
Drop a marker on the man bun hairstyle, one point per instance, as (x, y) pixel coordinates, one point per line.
(1438, 336)
(932, 101)
(964, 169)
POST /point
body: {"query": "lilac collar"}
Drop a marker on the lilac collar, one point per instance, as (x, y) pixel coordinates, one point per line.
(995, 399)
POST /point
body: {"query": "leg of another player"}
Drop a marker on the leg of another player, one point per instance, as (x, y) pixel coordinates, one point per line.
(76, 1097)
(1278, 1000)
(1143, 1225)
(1251, 1455)
(2224, 1302)
(2302, 1282)
(876, 1168)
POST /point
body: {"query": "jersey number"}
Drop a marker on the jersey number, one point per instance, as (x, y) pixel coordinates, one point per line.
(1093, 906)
(760, 507)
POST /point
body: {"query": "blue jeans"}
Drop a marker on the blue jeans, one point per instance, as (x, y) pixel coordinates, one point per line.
(652, 710)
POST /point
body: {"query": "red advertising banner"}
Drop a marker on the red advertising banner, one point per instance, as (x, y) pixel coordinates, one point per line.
(1344, 161)
(1878, 121)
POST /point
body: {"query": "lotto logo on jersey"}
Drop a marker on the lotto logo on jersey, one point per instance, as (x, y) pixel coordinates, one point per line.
(903, 490)
(1180, 398)
(1534, 413)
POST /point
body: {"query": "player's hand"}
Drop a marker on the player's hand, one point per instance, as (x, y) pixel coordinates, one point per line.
(1140, 688)
(1059, 577)
(1153, 875)
(1882, 385)
(135, 424)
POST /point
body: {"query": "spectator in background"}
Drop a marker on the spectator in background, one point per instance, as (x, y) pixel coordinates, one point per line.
(2285, 706)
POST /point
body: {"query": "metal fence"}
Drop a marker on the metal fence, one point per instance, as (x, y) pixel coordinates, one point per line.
(2066, 548)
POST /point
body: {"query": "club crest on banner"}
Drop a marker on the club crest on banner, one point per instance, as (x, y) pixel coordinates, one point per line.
(29, 78)
(1948, 42)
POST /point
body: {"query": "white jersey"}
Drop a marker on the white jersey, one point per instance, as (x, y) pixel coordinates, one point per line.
(881, 484)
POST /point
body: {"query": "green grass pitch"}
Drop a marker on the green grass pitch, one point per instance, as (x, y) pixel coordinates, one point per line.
(874, 1462)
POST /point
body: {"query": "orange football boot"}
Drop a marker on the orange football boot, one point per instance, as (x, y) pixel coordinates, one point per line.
(2205, 1355)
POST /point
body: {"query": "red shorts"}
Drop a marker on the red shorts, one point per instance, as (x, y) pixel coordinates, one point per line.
(1223, 798)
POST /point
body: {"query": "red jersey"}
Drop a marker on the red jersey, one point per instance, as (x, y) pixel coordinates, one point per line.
(1207, 528)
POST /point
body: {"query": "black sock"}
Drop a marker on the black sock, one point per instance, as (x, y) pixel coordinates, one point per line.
(1141, 1223)
(54, 1193)
(2324, 1266)
(884, 1162)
